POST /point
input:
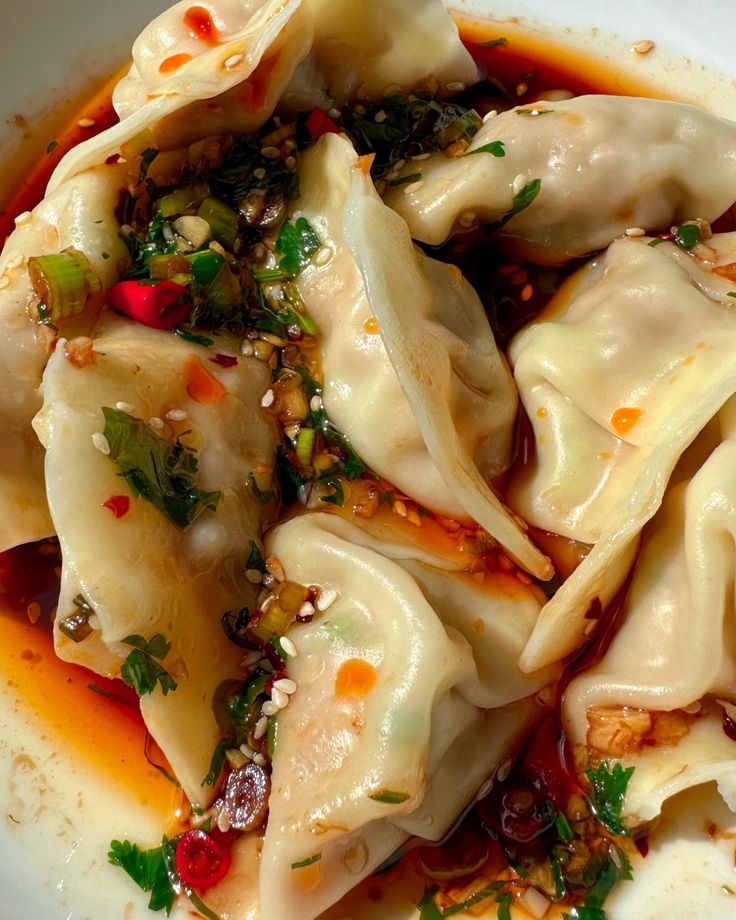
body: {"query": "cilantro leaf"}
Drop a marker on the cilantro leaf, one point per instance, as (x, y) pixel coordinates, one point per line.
(494, 43)
(495, 148)
(148, 870)
(533, 112)
(297, 243)
(255, 558)
(520, 201)
(389, 797)
(141, 669)
(607, 795)
(160, 472)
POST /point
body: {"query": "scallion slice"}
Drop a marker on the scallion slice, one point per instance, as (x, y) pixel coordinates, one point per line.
(305, 445)
(223, 220)
(66, 284)
(183, 199)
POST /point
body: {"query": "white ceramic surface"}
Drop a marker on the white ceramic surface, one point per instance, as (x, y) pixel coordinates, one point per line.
(52, 863)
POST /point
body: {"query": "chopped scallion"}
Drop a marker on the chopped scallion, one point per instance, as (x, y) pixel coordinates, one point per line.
(223, 220)
(66, 284)
(183, 199)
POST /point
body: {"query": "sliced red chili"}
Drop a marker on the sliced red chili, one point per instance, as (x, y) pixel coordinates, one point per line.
(319, 123)
(157, 305)
(201, 861)
(224, 360)
(118, 504)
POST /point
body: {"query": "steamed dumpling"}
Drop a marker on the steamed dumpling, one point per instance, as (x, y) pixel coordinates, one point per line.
(141, 573)
(606, 163)
(614, 396)
(389, 733)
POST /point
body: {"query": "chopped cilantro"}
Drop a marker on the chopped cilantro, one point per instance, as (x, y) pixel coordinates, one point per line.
(147, 157)
(141, 669)
(388, 797)
(264, 496)
(687, 236)
(607, 794)
(337, 495)
(160, 472)
(494, 43)
(309, 861)
(731, 294)
(234, 626)
(521, 200)
(656, 241)
(148, 870)
(474, 899)
(297, 243)
(255, 558)
(191, 337)
(495, 148)
(533, 112)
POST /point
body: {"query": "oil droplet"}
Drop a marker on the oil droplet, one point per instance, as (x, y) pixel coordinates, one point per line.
(371, 326)
(174, 63)
(624, 419)
(542, 412)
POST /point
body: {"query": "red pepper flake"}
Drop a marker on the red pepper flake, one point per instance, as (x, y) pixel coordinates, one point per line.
(319, 123)
(224, 360)
(118, 504)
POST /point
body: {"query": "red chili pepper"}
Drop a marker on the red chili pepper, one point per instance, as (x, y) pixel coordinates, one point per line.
(118, 504)
(201, 860)
(319, 123)
(157, 305)
(224, 360)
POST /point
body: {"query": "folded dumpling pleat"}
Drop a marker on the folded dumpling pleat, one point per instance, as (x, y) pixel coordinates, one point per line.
(614, 397)
(606, 163)
(141, 573)
(383, 737)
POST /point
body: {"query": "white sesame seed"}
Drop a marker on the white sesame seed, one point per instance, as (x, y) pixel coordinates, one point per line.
(306, 609)
(413, 187)
(259, 173)
(315, 403)
(156, 423)
(270, 153)
(86, 122)
(15, 262)
(290, 162)
(420, 156)
(502, 774)
(279, 698)
(254, 576)
(4, 282)
(334, 113)
(380, 117)
(176, 415)
(456, 87)
(326, 598)
(285, 685)
(643, 47)
(288, 646)
(635, 231)
(467, 218)
(233, 61)
(268, 398)
(93, 621)
(259, 759)
(484, 789)
(22, 218)
(100, 442)
(269, 708)
(518, 184)
(489, 115)
(223, 822)
(247, 661)
(323, 256)
(261, 728)
(124, 407)
(246, 348)
(247, 751)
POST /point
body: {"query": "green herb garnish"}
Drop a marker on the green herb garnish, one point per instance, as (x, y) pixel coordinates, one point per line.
(297, 243)
(521, 200)
(494, 43)
(160, 472)
(148, 870)
(76, 626)
(389, 797)
(52, 146)
(474, 899)
(607, 795)
(495, 148)
(310, 861)
(147, 157)
(687, 236)
(141, 670)
(533, 112)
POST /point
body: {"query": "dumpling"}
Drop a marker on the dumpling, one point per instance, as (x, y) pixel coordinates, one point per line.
(80, 215)
(650, 701)
(388, 733)
(614, 396)
(141, 572)
(606, 163)
(438, 436)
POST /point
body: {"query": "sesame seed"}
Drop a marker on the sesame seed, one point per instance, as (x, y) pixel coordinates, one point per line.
(489, 115)
(248, 751)
(467, 219)
(86, 122)
(15, 262)
(290, 162)
(323, 256)
(380, 116)
(33, 612)
(94, 621)
(399, 508)
(233, 61)
(4, 282)
(124, 407)
(100, 442)
(269, 708)
(334, 113)
(259, 173)
(485, 789)
(270, 153)
(420, 156)
(254, 576)
(261, 728)
(315, 403)
(223, 822)
(22, 218)
(259, 759)
(413, 187)
(306, 609)
(326, 598)
(456, 86)
(502, 774)
(285, 685)
(246, 348)
(518, 184)
(268, 398)
(176, 415)
(643, 47)
(156, 423)
(635, 231)
(288, 646)
(279, 698)
(413, 518)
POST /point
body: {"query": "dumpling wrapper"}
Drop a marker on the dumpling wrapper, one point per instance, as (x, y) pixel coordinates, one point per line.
(141, 573)
(438, 339)
(79, 214)
(413, 731)
(676, 643)
(606, 163)
(627, 365)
